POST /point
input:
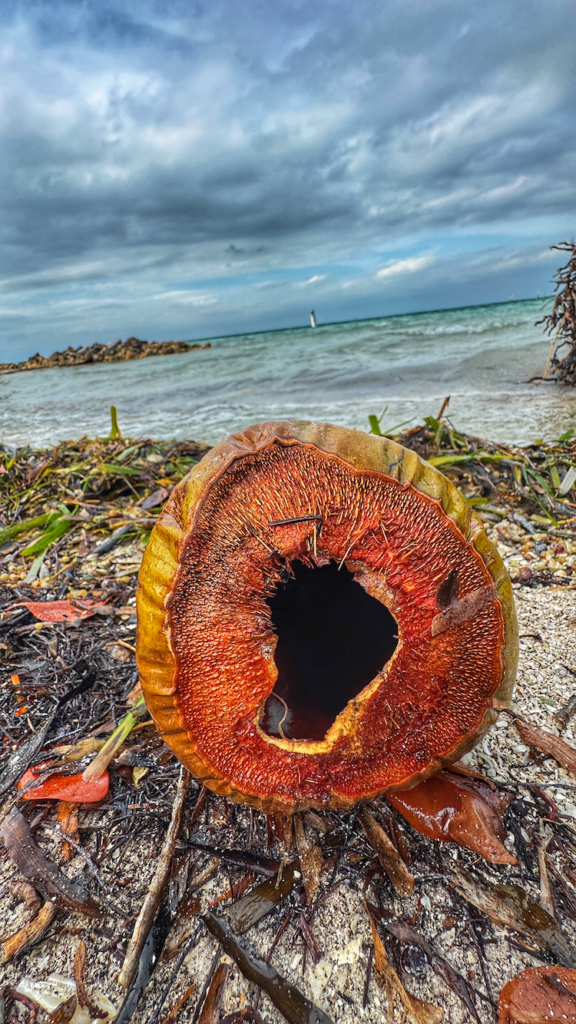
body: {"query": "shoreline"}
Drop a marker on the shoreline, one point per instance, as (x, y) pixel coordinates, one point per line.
(335, 375)
(117, 352)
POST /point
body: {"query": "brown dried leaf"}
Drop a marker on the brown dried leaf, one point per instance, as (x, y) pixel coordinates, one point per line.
(510, 907)
(418, 1011)
(311, 860)
(282, 829)
(25, 892)
(67, 817)
(212, 1004)
(548, 743)
(390, 859)
(83, 998)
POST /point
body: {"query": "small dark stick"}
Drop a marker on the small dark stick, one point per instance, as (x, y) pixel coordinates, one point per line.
(296, 519)
(566, 712)
(368, 976)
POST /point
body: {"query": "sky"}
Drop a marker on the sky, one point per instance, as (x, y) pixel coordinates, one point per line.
(186, 169)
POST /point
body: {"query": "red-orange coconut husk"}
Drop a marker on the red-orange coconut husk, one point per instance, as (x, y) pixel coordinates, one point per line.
(284, 506)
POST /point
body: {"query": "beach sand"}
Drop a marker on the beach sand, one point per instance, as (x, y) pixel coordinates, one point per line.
(124, 836)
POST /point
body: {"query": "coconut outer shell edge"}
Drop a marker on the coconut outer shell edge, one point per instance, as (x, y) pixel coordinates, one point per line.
(155, 657)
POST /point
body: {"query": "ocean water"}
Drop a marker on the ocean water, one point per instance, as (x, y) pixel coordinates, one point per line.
(481, 356)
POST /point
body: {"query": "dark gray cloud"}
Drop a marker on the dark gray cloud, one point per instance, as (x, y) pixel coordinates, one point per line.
(170, 162)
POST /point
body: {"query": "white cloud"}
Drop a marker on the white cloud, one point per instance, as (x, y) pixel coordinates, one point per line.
(145, 145)
(395, 268)
(310, 280)
(187, 298)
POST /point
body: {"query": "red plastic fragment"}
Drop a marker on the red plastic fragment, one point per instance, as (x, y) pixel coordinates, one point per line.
(539, 995)
(72, 788)
(449, 808)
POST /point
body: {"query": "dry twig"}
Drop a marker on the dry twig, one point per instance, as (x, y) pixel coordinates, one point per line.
(156, 889)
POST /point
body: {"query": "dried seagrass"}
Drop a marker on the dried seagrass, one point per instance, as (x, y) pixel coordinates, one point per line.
(321, 618)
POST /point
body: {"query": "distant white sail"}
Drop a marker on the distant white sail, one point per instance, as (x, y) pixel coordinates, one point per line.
(312, 319)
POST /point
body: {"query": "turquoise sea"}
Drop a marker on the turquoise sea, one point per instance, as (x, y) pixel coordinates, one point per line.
(482, 356)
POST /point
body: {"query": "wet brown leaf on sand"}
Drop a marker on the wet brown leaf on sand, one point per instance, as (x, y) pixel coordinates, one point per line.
(417, 1011)
(460, 809)
(539, 995)
(561, 751)
(390, 859)
(295, 1007)
(510, 907)
(250, 909)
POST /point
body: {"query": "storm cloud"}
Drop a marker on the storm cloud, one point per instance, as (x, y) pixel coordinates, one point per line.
(179, 169)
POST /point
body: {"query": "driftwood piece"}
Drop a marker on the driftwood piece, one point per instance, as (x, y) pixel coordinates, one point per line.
(29, 934)
(157, 885)
(548, 743)
(48, 879)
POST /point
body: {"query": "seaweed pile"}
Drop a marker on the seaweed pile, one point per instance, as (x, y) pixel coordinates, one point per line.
(190, 899)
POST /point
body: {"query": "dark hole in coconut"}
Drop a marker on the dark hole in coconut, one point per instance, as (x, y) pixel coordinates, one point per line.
(333, 639)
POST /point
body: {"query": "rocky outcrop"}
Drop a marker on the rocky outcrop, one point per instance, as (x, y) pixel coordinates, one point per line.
(118, 352)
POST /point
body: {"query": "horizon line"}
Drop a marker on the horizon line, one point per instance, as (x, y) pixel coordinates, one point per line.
(366, 319)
